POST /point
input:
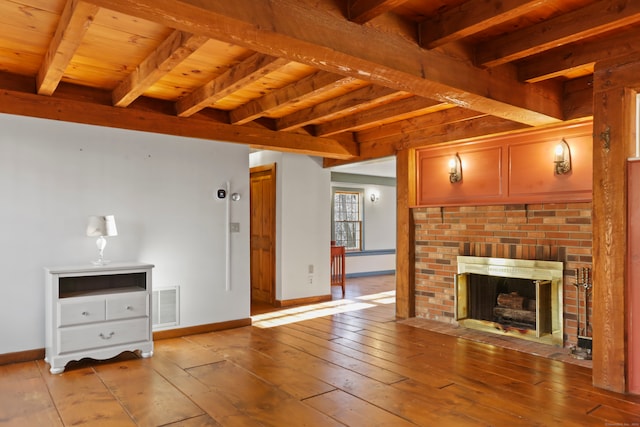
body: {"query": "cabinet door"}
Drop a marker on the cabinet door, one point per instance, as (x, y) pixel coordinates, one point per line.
(76, 311)
(127, 305)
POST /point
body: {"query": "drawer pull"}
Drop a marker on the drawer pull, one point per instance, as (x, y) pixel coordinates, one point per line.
(106, 337)
(85, 313)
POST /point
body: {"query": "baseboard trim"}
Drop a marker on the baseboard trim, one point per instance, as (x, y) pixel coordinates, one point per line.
(200, 329)
(370, 273)
(302, 301)
(22, 356)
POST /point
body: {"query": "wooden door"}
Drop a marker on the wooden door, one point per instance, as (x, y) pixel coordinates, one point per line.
(263, 233)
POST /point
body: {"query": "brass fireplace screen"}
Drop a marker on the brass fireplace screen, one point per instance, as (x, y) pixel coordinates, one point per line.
(521, 298)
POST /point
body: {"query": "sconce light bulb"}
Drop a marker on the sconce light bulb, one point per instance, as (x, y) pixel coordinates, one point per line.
(559, 150)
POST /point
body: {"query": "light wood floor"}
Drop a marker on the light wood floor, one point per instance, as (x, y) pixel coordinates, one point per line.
(345, 362)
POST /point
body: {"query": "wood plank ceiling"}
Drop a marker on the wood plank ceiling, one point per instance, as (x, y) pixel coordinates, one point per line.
(343, 79)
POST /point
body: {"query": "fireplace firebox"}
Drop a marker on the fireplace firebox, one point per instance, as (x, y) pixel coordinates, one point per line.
(521, 298)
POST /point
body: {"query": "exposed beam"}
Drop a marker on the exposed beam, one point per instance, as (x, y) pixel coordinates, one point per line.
(232, 80)
(74, 22)
(361, 11)
(315, 84)
(557, 62)
(395, 111)
(614, 134)
(450, 133)
(578, 98)
(591, 20)
(171, 52)
(405, 234)
(472, 17)
(354, 101)
(83, 111)
(397, 130)
(290, 29)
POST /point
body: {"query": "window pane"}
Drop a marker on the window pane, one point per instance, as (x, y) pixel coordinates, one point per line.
(346, 216)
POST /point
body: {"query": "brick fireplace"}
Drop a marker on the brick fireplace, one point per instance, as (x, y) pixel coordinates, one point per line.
(545, 232)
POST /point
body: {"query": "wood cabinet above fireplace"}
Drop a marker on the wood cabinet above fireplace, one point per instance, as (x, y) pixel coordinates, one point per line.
(509, 169)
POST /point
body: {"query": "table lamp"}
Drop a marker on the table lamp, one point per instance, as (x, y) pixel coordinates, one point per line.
(101, 226)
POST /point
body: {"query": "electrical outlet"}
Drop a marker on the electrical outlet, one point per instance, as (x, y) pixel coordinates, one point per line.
(311, 279)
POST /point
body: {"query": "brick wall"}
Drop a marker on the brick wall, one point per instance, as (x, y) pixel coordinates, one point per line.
(549, 232)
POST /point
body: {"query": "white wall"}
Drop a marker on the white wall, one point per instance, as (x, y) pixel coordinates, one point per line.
(53, 175)
(303, 224)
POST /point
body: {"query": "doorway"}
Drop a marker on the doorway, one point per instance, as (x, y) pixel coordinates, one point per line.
(263, 234)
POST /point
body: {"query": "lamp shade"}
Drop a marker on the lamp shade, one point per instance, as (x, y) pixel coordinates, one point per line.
(101, 226)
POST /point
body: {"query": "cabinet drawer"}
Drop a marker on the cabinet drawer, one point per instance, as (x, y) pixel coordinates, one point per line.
(127, 306)
(106, 334)
(81, 310)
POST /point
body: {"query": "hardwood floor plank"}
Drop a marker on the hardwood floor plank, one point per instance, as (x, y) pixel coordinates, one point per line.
(612, 416)
(157, 403)
(25, 399)
(303, 343)
(352, 411)
(212, 401)
(186, 354)
(290, 380)
(83, 399)
(260, 400)
(201, 421)
(515, 405)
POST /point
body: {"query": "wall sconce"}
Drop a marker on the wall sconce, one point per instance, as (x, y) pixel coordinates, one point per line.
(455, 169)
(374, 197)
(562, 158)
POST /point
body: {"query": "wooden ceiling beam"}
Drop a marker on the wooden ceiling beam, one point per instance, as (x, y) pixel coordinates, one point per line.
(171, 52)
(290, 29)
(354, 101)
(589, 21)
(470, 18)
(395, 111)
(361, 11)
(88, 109)
(232, 80)
(387, 133)
(75, 20)
(556, 62)
(450, 133)
(315, 84)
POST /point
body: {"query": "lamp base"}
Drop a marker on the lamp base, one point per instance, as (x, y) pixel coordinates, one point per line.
(101, 262)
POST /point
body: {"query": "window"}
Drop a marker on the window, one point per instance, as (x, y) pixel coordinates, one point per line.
(347, 219)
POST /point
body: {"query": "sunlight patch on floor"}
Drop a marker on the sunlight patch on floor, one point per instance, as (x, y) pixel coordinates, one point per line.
(313, 311)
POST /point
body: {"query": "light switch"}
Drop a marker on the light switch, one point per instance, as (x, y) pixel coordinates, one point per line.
(235, 227)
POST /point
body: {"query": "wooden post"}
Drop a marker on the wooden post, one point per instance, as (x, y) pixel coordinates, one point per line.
(405, 234)
(614, 143)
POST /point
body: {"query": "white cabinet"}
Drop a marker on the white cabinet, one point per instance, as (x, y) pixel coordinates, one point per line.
(97, 312)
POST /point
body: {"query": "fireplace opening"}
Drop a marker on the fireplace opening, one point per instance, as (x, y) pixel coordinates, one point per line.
(516, 297)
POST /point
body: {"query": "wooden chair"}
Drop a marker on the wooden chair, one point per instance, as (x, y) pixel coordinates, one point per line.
(338, 267)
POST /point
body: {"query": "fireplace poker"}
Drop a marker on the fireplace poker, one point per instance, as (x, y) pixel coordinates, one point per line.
(577, 284)
(587, 292)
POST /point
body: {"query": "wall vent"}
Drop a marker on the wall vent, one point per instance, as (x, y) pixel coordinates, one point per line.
(165, 307)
